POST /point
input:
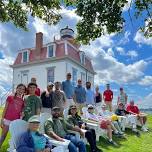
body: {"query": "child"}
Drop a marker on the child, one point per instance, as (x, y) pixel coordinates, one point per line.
(12, 111)
(32, 103)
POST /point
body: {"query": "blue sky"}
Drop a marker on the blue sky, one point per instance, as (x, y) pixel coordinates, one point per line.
(123, 60)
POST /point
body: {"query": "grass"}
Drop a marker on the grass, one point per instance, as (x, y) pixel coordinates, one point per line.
(131, 144)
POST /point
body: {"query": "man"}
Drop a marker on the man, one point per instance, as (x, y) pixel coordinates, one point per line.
(32, 140)
(68, 89)
(32, 103)
(47, 98)
(59, 98)
(80, 95)
(57, 128)
(125, 117)
(122, 98)
(133, 109)
(37, 91)
(89, 94)
(108, 96)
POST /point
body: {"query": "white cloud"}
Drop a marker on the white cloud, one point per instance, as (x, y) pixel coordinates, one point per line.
(120, 50)
(125, 39)
(132, 54)
(140, 39)
(127, 6)
(146, 81)
(110, 52)
(146, 102)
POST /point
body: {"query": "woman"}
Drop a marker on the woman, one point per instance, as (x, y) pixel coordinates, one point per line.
(75, 120)
(98, 97)
(12, 110)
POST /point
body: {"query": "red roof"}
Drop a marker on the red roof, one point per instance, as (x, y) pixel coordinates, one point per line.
(59, 52)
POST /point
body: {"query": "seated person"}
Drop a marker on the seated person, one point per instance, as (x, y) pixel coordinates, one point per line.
(126, 117)
(75, 120)
(57, 128)
(32, 140)
(104, 123)
(133, 109)
(111, 116)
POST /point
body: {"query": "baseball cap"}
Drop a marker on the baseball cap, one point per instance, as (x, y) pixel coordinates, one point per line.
(121, 88)
(55, 108)
(120, 103)
(34, 118)
(90, 106)
(50, 84)
(104, 105)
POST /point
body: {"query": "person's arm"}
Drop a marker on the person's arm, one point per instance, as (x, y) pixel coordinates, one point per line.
(23, 145)
(3, 114)
(126, 98)
(111, 95)
(49, 131)
(38, 106)
(101, 97)
(104, 96)
(77, 129)
(64, 99)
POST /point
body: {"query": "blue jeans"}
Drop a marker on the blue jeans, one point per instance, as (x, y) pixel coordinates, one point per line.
(75, 142)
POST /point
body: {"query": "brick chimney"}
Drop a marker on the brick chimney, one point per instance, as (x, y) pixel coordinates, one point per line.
(39, 44)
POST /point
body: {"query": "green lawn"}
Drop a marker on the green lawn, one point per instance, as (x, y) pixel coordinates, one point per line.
(131, 144)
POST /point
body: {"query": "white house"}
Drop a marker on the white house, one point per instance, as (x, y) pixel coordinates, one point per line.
(52, 61)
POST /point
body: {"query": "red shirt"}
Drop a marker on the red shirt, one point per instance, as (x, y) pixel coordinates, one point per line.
(37, 92)
(108, 95)
(133, 109)
(14, 109)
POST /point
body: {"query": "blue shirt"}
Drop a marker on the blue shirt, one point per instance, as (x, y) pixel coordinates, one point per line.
(68, 88)
(80, 94)
(89, 96)
(39, 141)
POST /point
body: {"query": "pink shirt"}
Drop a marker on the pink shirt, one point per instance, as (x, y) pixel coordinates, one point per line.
(14, 109)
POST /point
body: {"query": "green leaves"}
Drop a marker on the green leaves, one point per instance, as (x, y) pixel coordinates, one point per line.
(97, 16)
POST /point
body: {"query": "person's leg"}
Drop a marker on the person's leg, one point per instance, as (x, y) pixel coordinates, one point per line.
(3, 134)
(78, 143)
(110, 106)
(116, 125)
(141, 120)
(144, 120)
(72, 147)
(91, 140)
(109, 132)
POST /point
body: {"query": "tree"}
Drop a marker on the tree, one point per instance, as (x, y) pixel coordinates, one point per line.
(97, 16)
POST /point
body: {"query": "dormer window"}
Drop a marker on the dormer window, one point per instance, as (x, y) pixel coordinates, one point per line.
(51, 50)
(25, 56)
(82, 57)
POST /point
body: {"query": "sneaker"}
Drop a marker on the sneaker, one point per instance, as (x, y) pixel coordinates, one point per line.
(112, 142)
(144, 129)
(137, 133)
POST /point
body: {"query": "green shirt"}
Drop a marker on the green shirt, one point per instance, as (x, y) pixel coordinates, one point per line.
(58, 125)
(75, 121)
(32, 104)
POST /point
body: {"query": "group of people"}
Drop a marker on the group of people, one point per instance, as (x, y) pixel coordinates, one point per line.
(28, 102)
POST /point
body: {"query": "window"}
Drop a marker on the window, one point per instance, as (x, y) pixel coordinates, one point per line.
(51, 50)
(50, 74)
(83, 78)
(25, 57)
(74, 76)
(82, 57)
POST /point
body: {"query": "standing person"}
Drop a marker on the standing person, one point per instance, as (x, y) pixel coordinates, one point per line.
(68, 89)
(47, 98)
(32, 103)
(89, 94)
(37, 91)
(122, 98)
(98, 97)
(80, 95)
(59, 98)
(57, 128)
(12, 110)
(108, 97)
